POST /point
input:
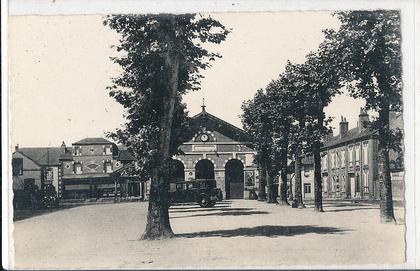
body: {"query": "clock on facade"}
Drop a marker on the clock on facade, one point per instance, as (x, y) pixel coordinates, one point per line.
(204, 137)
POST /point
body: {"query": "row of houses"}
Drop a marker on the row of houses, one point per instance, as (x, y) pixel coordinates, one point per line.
(90, 168)
(349, 164)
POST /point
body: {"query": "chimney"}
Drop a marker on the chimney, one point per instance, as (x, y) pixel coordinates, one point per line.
(17, 147)
(363, 119)
(344, 127)
(63, 147)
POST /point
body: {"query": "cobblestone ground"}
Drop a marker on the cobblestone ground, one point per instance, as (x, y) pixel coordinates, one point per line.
(235, 233)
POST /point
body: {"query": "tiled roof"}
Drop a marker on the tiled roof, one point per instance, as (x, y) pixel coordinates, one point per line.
(216, 124)
(42, 156)
(92, 140)
(350, 136)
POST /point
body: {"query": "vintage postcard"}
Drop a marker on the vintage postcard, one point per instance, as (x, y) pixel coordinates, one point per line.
(208, 139)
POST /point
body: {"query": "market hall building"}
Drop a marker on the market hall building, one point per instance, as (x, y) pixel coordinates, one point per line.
(221, 151)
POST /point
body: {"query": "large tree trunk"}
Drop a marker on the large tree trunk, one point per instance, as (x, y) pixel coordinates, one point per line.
(290, 191)
(262, 183)
(386, 204)
(317, 180)
(158, 224)
(283, 167)
(271, 193)
(317, 167)
(298, 201)
(283, 179)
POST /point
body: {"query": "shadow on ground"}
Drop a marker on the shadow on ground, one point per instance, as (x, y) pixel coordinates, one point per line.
(196, 206)
(28, 213)
(227, 212)
(353, 203)
(349, 210)
(221, 208)
(267, 231)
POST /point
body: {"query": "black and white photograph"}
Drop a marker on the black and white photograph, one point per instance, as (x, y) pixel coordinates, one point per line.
(210, 139)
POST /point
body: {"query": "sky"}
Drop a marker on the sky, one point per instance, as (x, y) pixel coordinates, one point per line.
(59, 69)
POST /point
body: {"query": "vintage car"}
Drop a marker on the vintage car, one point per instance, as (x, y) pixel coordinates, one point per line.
(202, 191)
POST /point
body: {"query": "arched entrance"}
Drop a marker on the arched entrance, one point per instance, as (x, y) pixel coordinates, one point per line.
(176, 171)
(234, 179)
(204, 169)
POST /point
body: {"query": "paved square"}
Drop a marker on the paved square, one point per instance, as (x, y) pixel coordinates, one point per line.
(235, 233)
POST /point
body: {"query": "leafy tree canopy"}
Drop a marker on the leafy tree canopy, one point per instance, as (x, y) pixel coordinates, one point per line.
(142, 87)
(367, 47)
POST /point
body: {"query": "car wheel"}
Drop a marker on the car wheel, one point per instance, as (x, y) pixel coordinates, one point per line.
(204, 201)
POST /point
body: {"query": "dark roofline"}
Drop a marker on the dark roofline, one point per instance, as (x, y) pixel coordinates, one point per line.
(205, 113)
(80, 142)
(36, 162)
(370, 135)
(27, 157)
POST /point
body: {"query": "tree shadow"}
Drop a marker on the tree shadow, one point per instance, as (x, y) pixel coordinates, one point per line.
(267, 231)
(195, 206)
(340, 204)
(195, 203)
(349, 210)
(226, 213)
(210, 210)
(22, 214)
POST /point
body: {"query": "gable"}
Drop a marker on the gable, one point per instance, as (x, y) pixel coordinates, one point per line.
(223, 130)
(28, 164)
(214, 136)
(44, 156)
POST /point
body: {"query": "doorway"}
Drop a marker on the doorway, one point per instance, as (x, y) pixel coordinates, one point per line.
(204, 169)
(234, 179)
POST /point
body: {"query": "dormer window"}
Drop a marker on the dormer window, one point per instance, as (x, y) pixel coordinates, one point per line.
(77, 151)
(107, 150)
